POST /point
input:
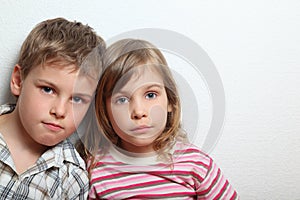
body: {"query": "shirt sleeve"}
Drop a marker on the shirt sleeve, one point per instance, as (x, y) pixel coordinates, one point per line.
(76, 184)
(215, 185)
(92, 193)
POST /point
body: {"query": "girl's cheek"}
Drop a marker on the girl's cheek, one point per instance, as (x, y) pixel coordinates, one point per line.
(122, 117)
(157, 114)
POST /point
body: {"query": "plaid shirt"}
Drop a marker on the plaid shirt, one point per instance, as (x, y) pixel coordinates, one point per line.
(58, 174)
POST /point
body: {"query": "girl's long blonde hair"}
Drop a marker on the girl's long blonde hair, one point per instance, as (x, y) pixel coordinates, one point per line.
(119, 60)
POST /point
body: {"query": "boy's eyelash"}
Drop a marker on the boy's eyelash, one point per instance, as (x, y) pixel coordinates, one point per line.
(52, 90)
(78, 100)
(82, 99)
(44, 88)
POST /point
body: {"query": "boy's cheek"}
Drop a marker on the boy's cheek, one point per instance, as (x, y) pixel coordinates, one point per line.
(78, 114)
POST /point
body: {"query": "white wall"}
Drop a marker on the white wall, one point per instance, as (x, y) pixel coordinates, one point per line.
(255, 46)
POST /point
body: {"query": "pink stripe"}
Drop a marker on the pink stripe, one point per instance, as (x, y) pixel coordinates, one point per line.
(174, 194)
(221, 191)
(191, 157)
(219, 186)
(212, 176)
(109, 177)
(130, 187)
(234, 196)
(160, 190)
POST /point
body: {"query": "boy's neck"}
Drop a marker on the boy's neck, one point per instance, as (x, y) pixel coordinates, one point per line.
(23, 149)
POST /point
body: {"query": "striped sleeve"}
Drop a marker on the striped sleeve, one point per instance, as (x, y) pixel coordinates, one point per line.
(215, 185)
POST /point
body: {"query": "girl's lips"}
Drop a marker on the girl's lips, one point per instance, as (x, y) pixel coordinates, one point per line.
(141, 129)
(53, 127)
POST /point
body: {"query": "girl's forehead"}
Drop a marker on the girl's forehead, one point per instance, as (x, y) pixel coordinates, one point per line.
(138, 77)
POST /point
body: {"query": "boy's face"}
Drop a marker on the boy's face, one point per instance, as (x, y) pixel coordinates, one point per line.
(138, 111)
(52, 102)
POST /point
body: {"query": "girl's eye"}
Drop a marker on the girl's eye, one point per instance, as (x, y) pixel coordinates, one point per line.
(151, 95)
(47, 90)
(77, 100)
(122, 100)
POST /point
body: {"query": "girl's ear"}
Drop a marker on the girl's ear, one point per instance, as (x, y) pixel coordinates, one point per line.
(170, 109)
(16, 81)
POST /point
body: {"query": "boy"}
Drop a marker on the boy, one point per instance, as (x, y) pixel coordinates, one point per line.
(54, 82)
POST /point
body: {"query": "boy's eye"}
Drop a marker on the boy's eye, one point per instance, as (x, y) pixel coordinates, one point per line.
(151, 95)
(122, 100)
(77, 100)
(47, 90)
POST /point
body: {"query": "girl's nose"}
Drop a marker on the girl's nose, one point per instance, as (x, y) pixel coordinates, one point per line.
(138, 109)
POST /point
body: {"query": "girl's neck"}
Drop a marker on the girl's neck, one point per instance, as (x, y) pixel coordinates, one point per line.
(136, 149)
(136, 154)
(133, 158)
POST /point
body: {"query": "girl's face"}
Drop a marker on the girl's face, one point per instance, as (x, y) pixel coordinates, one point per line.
(138, 111)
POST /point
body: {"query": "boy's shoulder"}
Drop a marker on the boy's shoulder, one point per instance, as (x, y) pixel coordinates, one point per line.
(63, 153)
(60, 166)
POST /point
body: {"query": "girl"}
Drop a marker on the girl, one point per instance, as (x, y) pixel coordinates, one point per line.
(146, 154)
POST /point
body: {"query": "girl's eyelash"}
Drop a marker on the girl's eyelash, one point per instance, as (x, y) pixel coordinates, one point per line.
(153, 92)
(121, 99)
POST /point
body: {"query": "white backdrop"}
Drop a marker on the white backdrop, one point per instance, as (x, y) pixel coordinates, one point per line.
(255, 46)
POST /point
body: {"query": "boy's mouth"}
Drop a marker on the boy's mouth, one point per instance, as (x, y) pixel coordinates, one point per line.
(53, 126)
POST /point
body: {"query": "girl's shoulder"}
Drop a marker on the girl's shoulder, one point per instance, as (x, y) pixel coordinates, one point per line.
(191, 160)
(188, 151)
(188, 147)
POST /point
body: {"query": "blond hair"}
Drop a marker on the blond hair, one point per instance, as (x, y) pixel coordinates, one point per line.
(119, 60)
(62, 42)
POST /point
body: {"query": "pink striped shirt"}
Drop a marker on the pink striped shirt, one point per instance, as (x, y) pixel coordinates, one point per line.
(192, 175)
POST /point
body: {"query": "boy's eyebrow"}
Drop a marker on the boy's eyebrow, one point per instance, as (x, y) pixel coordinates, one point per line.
(83, 95)
(46, 82)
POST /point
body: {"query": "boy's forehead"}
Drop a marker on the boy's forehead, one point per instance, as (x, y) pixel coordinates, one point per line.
(59, 65)
(65, 74)
(85, 83)
(73, 68)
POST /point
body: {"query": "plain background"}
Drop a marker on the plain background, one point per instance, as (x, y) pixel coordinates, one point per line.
(255, 46)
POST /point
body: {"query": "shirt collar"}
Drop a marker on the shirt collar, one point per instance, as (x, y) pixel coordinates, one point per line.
(7, 108)
(63, 152)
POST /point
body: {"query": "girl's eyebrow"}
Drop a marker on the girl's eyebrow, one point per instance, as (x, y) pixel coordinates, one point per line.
(154, 85)
(146, 87)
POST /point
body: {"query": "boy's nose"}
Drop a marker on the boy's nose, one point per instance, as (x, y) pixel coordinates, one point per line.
(58, 109)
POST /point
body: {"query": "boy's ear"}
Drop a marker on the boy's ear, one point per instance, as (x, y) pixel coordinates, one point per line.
(16, 81)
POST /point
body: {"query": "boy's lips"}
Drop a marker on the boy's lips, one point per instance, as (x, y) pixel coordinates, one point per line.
(53, 126)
